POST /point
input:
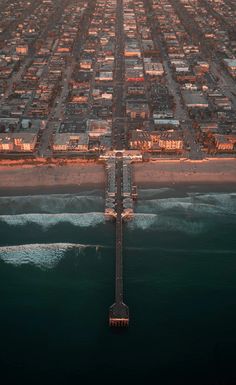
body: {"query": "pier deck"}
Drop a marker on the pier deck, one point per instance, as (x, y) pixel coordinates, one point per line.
(119, 312)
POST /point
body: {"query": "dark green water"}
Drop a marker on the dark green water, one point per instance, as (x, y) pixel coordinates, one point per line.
(180, 285)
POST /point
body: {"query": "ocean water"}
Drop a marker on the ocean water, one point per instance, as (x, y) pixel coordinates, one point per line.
(57, 265)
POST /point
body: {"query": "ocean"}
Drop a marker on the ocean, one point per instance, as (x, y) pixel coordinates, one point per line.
(57, 264)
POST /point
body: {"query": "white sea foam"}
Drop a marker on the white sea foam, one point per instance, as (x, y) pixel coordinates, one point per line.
(221, 200)
(187, 214)
(42, 255)
(210, 204)
(166, 223)
(157, 205)
(143, 221)
(49, 220)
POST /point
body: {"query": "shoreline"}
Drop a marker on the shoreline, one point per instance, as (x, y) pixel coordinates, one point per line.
(228, 187)
(50, 190)
(169, 190)
(53, 178)
(176, 172)
(76, 178)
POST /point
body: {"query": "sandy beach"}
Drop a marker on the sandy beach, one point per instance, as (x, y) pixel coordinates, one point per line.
(50, 175)
(207, 171)
(92, 175)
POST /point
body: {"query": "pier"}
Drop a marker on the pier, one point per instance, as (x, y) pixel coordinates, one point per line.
(119, 201)
(119, 312)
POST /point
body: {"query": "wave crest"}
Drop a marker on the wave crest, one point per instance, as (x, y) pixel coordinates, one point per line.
(51, 204)
(49, 220)
(165, 223)
(41, 255)
(195, 203)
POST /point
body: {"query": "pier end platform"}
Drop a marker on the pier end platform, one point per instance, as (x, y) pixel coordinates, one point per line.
(119, 315)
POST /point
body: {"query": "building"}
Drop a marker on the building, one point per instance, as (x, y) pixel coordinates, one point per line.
(6, 143)
(231, 66)
(225, 142)
(194, 100)
(171, 140)
(19, 135)
(153, 69)
(136, 110)
(70, 142)
(18, 142)
(104, 76)
(140, 140)
(22, 49)
(156, 140)
(98, 128)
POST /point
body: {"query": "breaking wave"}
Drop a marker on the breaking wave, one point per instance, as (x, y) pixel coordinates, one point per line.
(52, 204)
(166, 223)
(192, 214)
(49, 220)
(41, 255)
(195, 204)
